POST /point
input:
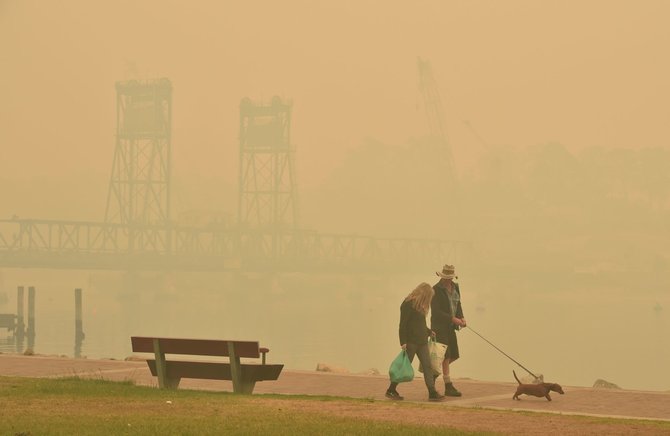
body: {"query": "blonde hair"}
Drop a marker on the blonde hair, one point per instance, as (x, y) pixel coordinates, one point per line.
(420, 297)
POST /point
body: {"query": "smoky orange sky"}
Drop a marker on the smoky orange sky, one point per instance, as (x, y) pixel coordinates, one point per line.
(556, 113)
(581, 73)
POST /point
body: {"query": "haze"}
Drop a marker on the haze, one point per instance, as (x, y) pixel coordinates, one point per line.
(556, 114)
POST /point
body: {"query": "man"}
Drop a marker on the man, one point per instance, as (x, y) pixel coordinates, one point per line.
(447, 317)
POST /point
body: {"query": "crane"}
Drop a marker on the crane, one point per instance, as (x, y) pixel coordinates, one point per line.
(433, 106)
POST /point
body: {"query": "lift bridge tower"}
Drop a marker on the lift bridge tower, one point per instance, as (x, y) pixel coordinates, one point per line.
(267, 201)
(139, 187)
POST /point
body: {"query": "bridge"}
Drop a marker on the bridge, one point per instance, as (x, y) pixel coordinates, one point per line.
(27, 243)
(138, 233)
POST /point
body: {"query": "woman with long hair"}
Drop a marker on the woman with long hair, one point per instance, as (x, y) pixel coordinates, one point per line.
(414, 334)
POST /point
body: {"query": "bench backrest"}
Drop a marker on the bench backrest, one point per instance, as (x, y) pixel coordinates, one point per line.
(197, 347)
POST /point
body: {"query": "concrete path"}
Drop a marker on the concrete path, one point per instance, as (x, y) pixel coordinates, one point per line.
(476, 394)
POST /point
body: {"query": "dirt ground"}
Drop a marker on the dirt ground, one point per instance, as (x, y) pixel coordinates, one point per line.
(482, 420)
(484, 406)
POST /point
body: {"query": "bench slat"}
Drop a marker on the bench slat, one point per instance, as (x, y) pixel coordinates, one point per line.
(199, 347)
(216, 370)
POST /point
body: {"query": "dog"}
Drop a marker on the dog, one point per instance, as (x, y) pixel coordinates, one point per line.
(537, 390)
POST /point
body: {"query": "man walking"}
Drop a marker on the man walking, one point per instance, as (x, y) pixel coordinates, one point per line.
(447, 317)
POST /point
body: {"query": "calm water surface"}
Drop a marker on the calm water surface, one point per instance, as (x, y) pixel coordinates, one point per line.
(571, 336)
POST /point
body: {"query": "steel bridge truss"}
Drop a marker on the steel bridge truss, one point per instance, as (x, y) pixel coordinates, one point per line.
(88, 245)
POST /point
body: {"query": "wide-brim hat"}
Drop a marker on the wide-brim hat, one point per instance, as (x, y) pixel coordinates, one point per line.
(448, 272)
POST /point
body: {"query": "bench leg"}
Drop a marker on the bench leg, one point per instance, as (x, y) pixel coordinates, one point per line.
(164, 381)
(172, 382)
(240, 385)
(235, 368)
(246, 387)
(161, 370)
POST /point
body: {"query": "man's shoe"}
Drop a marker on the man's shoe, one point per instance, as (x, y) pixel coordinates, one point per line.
(451, 391)
(393, 395)
(434, 396)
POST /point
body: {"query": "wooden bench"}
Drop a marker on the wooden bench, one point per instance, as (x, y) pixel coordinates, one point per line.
(169, 372)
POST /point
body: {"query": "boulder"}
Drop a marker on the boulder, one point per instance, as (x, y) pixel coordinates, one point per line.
(135, 359)
(604, 384)
(325, 367)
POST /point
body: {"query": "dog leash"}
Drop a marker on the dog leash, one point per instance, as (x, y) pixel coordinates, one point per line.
(506, 355)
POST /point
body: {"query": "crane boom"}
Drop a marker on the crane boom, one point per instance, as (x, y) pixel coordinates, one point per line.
(433, 107)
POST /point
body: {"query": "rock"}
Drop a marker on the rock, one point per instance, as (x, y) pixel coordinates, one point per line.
(604, 384)
(134, 359)
(371, 371)
(324, 367)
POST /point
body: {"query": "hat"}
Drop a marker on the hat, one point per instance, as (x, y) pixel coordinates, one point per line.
(448, 272)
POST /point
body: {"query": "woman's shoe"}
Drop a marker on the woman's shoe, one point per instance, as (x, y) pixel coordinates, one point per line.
(435, 396)
(451, 391)
(393, 395)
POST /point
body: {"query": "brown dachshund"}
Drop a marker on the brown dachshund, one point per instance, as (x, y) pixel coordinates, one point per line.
(537, 390)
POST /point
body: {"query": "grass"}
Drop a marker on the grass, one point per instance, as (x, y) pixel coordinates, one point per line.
(72, 405)
(84, 406)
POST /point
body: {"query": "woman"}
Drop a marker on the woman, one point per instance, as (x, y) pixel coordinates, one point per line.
(414, 334)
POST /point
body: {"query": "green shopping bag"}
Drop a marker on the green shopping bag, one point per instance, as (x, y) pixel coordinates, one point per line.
(401, 369)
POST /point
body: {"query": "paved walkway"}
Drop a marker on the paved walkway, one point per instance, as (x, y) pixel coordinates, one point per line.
(479, 394)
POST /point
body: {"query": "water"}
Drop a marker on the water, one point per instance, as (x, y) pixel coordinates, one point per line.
(573, 336)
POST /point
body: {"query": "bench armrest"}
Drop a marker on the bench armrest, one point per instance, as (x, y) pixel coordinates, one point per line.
(263, 352)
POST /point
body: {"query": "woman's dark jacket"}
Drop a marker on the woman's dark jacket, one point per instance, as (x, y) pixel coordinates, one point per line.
(440, 311)
(413, 328)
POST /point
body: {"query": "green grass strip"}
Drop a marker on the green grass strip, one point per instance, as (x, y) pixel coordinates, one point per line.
(71, 406)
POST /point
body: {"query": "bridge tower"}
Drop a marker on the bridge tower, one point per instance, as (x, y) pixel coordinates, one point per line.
(267, 200)
(433, 107)
(139, 187)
